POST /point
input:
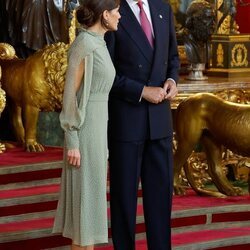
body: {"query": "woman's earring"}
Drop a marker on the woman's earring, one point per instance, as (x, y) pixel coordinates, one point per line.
(106, 23)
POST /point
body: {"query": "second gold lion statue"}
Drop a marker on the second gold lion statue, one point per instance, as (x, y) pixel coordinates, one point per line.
(33, 85)
(214, 123)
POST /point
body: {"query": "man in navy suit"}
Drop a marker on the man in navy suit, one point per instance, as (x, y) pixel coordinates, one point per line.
(140, 121)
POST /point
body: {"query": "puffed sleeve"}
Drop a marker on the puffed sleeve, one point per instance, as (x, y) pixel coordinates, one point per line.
(74, 103)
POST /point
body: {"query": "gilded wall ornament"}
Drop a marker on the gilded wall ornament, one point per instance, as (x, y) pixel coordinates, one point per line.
(220, 56)
(239, 56)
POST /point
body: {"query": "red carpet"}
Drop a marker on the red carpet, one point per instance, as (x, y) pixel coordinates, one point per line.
(29, 176)
(208, 235)
(28, 208)
(142, 245)
(26, 225)
(192, 200)
(18, 156)
(24, 192)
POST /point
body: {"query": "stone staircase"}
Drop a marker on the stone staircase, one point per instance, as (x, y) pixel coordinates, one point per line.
(28, 199)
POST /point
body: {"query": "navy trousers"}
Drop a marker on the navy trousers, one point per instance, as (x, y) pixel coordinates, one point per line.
(150, 161)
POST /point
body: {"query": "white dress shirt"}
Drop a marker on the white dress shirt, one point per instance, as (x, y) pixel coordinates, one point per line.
(136, 10)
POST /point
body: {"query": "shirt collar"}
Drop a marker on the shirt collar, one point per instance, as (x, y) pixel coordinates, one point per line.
(133, 3)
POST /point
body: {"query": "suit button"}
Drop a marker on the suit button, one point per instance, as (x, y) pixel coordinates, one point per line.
(165, 62)
(139, 66)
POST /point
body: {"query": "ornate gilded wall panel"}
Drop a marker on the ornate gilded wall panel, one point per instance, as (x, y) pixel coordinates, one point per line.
(2, 106)
(230, 55)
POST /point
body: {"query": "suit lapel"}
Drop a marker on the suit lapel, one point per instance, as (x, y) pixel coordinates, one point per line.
(160, 22)
(134, 30)
(159, 25)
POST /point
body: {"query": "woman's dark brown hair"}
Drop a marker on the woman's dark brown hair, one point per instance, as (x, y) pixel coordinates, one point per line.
(90, 11)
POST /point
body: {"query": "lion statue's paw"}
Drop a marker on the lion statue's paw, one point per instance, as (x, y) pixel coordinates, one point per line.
(237, 191)
(33, 146)
(179, 189)
(234, 191)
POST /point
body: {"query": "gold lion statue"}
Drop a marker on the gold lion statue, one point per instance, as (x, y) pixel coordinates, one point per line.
(215, 123)
(33, 84)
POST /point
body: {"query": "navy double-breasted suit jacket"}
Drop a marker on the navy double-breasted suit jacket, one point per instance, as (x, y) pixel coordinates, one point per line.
(137, 65)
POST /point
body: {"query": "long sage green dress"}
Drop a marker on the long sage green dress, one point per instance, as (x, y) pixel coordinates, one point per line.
(82, 208)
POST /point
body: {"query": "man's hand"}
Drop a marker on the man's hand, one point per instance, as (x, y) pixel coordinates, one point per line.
(153, 94)
(74, 157)
(170, 89)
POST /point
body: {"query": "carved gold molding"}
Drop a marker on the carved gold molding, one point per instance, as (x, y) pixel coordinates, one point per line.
(232, 95)
(2, 106)
(2, 100)
(7, 51)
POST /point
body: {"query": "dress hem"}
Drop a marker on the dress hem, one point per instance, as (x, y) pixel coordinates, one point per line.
(87, 243)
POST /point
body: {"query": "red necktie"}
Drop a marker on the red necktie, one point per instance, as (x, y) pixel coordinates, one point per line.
(145, 24)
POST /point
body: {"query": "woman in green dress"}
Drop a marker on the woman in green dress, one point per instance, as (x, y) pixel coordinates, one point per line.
(82, 208)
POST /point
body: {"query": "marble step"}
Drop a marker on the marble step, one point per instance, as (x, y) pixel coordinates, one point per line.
(230, 243)
(30, 184)
(39, 226)
(38, 193)
(32, 226)
(29, 195)
(30, 172)
(30, 167)
(182, 221)
(30, 192)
